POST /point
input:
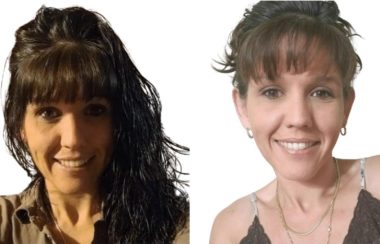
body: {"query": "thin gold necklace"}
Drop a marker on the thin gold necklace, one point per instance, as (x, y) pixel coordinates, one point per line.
(330, 209)
(56, 225)
(59, 229)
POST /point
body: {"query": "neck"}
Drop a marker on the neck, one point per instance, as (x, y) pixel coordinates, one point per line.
(310, 194)
(74, 209)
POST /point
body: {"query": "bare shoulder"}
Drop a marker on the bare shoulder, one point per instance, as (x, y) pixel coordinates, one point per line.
(372, 171)
(232, 223)
(373, 163)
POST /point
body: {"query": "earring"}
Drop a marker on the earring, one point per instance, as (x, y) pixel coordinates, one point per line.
(343, 131)
(249, 133)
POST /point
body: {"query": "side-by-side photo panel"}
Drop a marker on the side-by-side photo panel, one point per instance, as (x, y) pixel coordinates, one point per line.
(96, 143)
(216, 122)
(297, 161)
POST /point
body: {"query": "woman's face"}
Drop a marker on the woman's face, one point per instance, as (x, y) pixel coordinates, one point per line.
(296, 119)
(70, 143)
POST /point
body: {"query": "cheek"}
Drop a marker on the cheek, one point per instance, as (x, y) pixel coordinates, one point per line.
(40, 143)
(330, 119)
(264, 120)
(107, 145)
(102, 136)
(41, 149)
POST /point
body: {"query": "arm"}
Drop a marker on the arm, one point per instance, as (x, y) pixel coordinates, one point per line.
(221, 230)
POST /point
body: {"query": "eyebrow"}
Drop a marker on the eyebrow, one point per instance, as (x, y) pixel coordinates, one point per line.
(317, 78)
(98, 99)
(327, 79)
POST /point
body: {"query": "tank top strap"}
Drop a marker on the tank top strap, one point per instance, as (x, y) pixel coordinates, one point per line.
(362, 174)
(255, 211)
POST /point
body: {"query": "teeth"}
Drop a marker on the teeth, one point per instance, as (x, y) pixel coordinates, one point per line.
(73, 163)
(296, 146)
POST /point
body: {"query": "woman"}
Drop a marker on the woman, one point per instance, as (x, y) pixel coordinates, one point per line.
(293, 65)
(86, 126)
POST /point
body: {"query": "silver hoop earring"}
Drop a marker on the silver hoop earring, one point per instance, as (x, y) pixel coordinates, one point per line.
(249, 133)
(343, 131)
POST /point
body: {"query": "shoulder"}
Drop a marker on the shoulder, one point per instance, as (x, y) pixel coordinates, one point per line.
(8, 205)
(372, 172)
(350, 168)
(183, 236)
(232, 223)
(373, 163)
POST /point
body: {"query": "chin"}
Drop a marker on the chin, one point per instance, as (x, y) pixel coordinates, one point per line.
(296, 171)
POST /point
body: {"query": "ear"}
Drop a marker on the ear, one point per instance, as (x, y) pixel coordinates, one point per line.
(241, 108)
(348, 102)
(22, 135)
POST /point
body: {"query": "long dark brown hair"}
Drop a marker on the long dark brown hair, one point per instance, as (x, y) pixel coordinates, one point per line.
(71, 53)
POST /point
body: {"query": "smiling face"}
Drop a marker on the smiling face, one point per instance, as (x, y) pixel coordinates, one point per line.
(70, 143)
(296, 118)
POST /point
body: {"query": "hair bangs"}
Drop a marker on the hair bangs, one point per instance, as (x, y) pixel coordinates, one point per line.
(65, 72)
(291, 43)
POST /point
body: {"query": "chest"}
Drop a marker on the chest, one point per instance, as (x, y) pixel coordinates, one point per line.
(22, 233)
(351, 222)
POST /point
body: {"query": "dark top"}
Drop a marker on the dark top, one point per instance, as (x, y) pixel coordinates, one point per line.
(364, 226)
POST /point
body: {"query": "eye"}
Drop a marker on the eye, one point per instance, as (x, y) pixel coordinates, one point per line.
(272, 93)
(95, 109)
(48, 113)
(323, 94)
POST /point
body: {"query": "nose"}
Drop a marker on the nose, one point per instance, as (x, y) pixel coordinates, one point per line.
(298, 113)
(72, 132)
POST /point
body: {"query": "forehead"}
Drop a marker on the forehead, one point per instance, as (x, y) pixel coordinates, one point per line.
(78, 102)
(317, 65)
(64, 73)
(291, 44)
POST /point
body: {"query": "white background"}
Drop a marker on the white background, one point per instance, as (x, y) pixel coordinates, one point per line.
(173, 44)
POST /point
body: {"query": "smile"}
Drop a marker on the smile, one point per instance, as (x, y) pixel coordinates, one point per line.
(73, 163)
(296, 146)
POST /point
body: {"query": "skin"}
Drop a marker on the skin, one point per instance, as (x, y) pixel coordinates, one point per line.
(307, 109)
(295, 121)
(70, 144)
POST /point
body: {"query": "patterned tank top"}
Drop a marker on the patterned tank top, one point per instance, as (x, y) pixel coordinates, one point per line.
(364, 226)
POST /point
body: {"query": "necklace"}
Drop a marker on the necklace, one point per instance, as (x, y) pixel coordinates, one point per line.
(56, 225)
(59, 230)
(330, 209)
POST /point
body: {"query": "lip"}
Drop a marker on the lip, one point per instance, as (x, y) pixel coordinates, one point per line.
(297, 145)
(73, 163)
